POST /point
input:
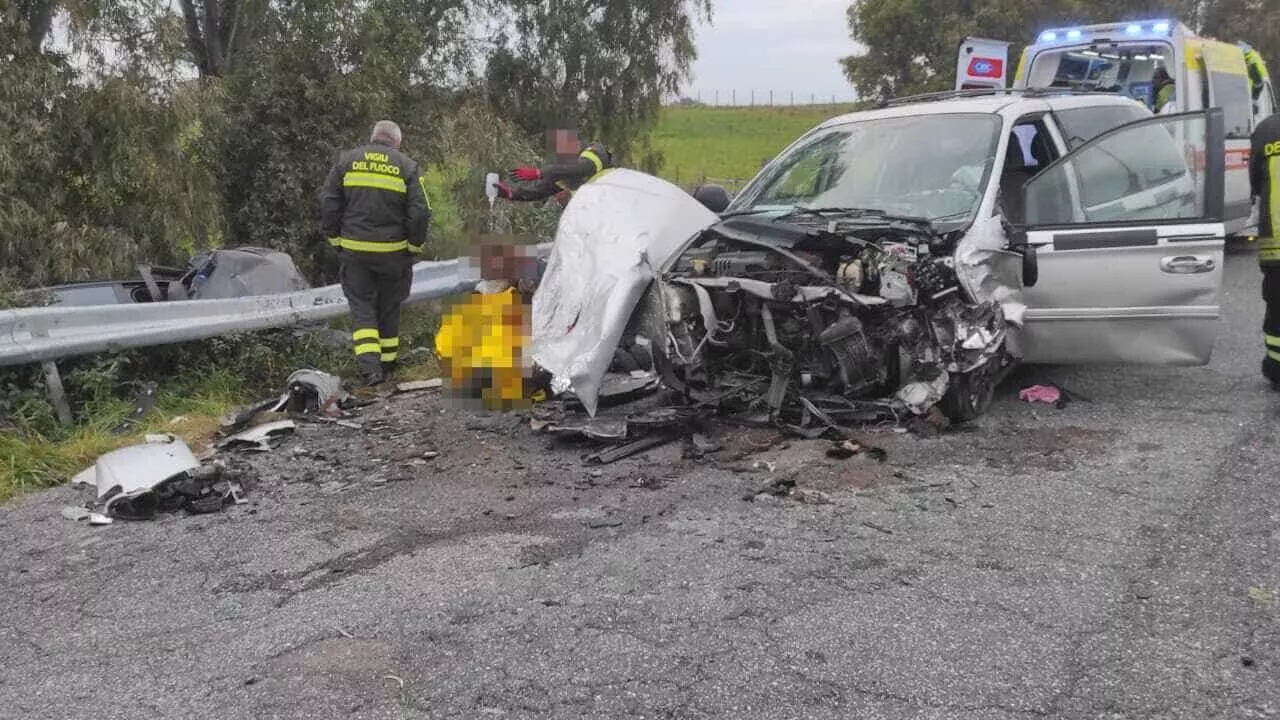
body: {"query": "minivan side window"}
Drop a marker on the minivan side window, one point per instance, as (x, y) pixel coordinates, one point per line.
(1080, 125)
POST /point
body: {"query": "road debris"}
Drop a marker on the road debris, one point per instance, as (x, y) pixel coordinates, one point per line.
(848, 448)
(142, 406)
(877, 528)
(258, 438)
(605, 457)
(787, 488)
(308, 393)
(159, 475)
(420, 385)
(1047, 394)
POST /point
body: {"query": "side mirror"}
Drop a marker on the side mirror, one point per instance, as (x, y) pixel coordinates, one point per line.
(714, 197)
(1030, 266)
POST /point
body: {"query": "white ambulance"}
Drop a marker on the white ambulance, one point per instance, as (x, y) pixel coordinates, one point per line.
(1124, 58)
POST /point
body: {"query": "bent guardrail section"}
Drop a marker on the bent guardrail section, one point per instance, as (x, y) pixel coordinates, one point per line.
(29, 335)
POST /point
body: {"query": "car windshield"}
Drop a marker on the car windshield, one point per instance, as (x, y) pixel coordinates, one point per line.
(931, 167)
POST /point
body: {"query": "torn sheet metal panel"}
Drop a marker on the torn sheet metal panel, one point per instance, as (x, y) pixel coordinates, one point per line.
(140, 468)
(988, 270)
(608, 247)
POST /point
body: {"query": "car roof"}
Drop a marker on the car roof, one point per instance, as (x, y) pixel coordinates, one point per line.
(998, 103)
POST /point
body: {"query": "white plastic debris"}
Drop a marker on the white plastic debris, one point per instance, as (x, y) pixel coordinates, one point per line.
(140, 468)
(327, 388)
(920, 396)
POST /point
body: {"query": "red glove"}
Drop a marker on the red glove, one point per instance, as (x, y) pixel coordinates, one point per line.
(526, 174)
(504, 191)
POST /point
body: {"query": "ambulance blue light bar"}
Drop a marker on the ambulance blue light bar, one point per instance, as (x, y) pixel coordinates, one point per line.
(1154, 28)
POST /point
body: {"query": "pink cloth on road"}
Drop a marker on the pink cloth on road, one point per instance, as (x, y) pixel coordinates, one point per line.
(1041, 393)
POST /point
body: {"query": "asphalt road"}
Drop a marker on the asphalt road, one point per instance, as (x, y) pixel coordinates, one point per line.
(1113, 559)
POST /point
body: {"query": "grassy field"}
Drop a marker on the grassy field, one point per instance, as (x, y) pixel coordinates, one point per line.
(723, 143)
(730, 143)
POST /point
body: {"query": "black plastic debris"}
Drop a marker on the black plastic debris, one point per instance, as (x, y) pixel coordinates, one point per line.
(846, 449)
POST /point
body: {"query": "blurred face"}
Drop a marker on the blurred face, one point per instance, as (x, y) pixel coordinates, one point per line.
(563, 143)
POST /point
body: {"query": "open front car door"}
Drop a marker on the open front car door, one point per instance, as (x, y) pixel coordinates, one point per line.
(1128, 235)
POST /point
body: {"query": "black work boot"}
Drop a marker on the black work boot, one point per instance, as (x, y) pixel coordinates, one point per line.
(389, 369)
(370, 371)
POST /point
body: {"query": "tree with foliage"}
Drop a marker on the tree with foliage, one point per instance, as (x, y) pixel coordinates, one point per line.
(155, 129)
(911, 44)
(602, 65)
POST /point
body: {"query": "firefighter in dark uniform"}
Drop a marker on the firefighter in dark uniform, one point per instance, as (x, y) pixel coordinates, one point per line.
(556, 178)
(374, 209)
(1264, 181)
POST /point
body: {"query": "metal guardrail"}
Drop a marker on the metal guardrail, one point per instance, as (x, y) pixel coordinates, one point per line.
(30, 335)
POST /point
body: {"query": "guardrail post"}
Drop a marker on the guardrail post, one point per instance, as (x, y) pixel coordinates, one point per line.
(53, 379)
(57, 395)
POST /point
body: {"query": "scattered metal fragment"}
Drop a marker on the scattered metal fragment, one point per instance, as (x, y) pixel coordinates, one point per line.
(142, 406)
(419, 385)
(877, 528)
(75, 513)
(848, 448)
(615, 454)
(258, 439)
(604, 522)
(781, 487)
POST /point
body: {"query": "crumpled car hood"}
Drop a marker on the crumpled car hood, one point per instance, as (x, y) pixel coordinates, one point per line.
(613, 238)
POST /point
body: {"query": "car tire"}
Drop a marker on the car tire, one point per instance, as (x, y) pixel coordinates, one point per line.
(969, 395)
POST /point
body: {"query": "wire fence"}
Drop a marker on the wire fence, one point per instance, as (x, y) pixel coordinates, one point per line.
(691, 179)
(762, 98)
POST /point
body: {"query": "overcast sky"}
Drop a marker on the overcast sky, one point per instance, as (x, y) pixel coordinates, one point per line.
(765, 45)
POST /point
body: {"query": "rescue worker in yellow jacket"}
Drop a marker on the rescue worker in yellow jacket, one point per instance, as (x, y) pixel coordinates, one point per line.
(1257, 71)
(374, 209)
(557, 178)
(1164, 89)
(482, 340)
(1264, 181)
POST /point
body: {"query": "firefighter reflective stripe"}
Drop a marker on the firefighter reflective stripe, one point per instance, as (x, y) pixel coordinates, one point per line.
(373, 246)
(374, 181)
(366, 341)
(390, 348)
(1273, 354)
(1272, 341)
(594, 158)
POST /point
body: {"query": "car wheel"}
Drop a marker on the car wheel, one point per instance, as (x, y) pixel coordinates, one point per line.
(969, 395)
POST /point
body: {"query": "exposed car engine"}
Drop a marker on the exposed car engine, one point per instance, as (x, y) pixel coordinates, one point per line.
(844, 322)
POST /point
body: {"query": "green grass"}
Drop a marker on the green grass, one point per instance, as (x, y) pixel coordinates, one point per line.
(730, 143)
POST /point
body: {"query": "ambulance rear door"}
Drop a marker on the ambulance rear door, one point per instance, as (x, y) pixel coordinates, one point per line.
(1226, 78)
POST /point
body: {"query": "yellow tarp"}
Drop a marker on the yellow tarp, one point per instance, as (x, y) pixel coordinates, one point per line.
(481, 346)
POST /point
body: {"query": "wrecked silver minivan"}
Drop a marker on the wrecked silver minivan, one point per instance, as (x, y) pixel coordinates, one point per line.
(893, 261)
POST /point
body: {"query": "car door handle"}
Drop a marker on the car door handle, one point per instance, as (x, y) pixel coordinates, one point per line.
(1187, 264)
